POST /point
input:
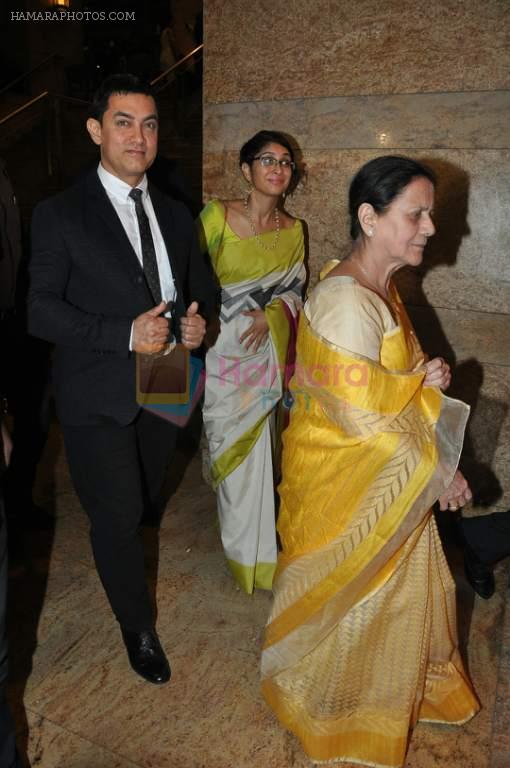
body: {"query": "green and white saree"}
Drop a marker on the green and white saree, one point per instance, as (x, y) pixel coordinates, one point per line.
(243, 387)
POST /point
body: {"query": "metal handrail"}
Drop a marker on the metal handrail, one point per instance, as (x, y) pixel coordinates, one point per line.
(82, 101)
(24, 106)
(42, 95)
(75, 99)
(58, 98)
(29, 72)
(177, 64)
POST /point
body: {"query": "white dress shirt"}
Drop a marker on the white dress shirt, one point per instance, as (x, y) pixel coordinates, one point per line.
(118, 193)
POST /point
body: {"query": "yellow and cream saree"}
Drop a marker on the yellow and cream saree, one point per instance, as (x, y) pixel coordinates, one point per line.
(243, 387)
(361, 642)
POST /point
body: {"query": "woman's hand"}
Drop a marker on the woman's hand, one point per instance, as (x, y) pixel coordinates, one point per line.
(456, 495)
(256, 334)
(438, 374)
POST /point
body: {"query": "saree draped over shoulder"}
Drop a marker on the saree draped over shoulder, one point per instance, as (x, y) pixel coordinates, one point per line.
(243, 387)
(361, 642)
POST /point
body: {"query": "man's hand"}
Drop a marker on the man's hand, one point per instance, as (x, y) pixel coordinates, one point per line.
(150, 331)
(192, 327)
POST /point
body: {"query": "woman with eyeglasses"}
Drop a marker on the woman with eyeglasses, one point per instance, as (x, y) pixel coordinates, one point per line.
(257, 253)
(361, 643)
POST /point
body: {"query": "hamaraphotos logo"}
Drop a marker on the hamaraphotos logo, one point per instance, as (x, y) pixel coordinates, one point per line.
(170, 385)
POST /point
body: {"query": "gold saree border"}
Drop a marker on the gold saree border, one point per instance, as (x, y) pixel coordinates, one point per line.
(381, 743)
(448, 699)
(353, 738)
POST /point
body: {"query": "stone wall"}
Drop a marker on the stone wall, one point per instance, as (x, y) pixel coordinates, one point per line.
(350, 81)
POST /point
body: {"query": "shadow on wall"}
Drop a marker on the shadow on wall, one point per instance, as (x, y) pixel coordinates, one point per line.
(451, 221)
(299, 183)
(451, 214)
(487, 414)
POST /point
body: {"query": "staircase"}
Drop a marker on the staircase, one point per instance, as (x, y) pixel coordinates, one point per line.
(180, 146)
(46, 145)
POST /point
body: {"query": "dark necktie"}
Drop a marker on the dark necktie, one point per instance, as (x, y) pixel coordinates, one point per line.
(150, 264)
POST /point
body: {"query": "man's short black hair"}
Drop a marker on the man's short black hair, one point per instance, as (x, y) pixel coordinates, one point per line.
(117, 84)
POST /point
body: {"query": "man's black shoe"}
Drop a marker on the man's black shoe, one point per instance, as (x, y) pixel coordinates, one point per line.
(479, 575)
(146, 656)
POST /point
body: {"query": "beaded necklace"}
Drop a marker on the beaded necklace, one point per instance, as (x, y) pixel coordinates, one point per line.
(256, 235)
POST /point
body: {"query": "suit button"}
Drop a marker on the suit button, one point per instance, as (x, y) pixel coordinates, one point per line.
(139, 280)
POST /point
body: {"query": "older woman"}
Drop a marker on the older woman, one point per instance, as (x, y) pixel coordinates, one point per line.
(257, 252)
(361, 642)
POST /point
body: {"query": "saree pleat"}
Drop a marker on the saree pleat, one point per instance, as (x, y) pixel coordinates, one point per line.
(361, 642)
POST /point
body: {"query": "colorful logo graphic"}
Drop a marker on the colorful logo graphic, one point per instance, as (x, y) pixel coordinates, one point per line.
(170, 385)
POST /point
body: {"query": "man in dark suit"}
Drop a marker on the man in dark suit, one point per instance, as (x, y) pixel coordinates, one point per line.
(486, 540)
(109, 257)
(23, 380)
(10, 257)
(9, 757)
(10, 243)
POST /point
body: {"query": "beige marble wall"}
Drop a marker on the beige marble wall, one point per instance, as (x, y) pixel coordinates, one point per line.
(350, 81)
(274, 49)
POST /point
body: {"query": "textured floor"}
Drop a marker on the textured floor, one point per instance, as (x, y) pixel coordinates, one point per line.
(78, 705)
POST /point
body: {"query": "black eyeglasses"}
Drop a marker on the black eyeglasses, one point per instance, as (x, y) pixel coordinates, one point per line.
(268, 161)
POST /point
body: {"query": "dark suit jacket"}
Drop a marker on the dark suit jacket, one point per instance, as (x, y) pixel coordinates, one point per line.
(87, 287)
(10, 241)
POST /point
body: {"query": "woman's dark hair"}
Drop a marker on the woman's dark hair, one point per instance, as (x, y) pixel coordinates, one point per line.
(256, 144)
(117, 84)
(380, 181)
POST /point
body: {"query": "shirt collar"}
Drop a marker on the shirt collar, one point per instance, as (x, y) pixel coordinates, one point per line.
(117, 188)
